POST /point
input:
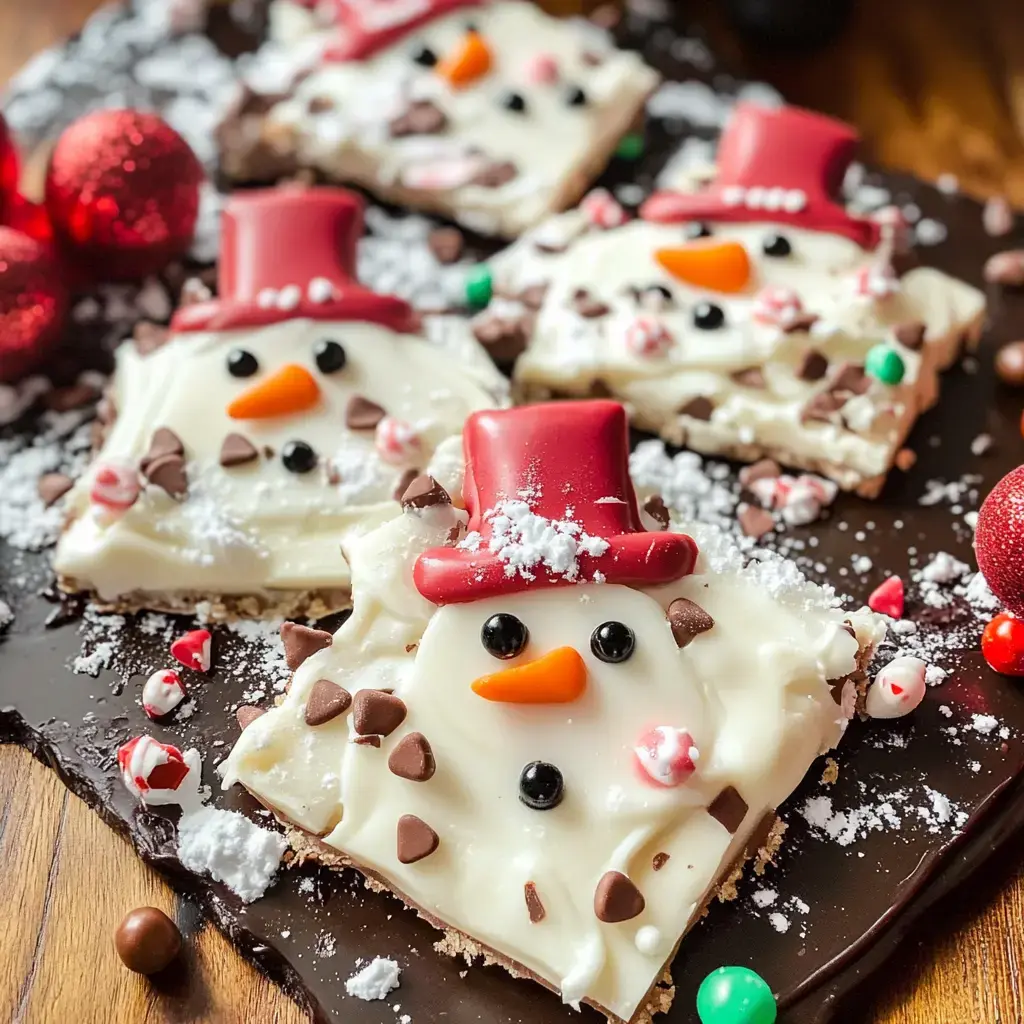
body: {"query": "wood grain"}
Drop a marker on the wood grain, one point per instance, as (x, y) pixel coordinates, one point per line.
(936, 86)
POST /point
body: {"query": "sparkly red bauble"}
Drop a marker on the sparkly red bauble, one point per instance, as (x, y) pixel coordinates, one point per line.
(9, 170)
(999, 541)
(33, 301)
(1002, 644)
(122, 191)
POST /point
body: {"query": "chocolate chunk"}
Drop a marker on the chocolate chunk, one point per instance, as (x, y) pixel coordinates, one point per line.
(759, 836)
(616, 898)
(800, 324)
(74, 396)
(421, 118)
(533, 296)
(320, 104)
(763, 469)
(587, 306)
(822, 408)
(412, 758)
(147, 940)
(252, 147)
(813, 365)
(325, 702)
(496, 174)
(424, 491)
(53, 486)
(699, 408)
(851, 378)
(910, 334)
(446, 244)
(1010, 364)
(1006, 269)
(751, 377)
(660, 860)
(375, 713)
(246, 714)
(416, 839)
(534, 907)
(505, 338)
(407, 477)
(148, 337)
(164, 442)
(362, 414)
(236, 450)
(688, 620)
(366, 741)
(656, 508)
(754, 521)
(729, 809)
(168, 473)
(302, 641)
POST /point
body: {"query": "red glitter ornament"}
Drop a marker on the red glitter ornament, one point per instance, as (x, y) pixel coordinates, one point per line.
(33, 301)
(1002, 644)
(9, 170)
(122, 191)
(999, 540)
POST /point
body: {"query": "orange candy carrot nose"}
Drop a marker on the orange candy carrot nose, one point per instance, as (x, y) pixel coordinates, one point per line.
(706, 263)
(291, 389)
(470, 60)
(557, 678)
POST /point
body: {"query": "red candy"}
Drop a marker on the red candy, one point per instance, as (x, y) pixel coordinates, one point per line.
(887, 598)
(193, 649)
(148, 765)
(602, 210)
(1002, 644)
(666, 755)
(648, 336)
(999, 540)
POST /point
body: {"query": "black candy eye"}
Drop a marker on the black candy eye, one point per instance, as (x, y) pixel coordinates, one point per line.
(514, 101)
(776, 245)
(541, 786)
(696, 229)
(242, 363)
(298, 457)
(504, 636)
(575, 96)
(330, 356)
(424, 56)
(707, 316)
(613, 642)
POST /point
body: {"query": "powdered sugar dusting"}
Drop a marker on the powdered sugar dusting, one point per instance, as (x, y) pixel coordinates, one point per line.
(378, 978)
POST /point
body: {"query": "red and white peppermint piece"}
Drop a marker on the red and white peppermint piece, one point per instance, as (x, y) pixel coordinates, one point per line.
(602, 209)
(154, 771)
(898, 688)
(162, 692)
(647, 337)
(443, 173)
(397, 441)
(776, 304)
(887, 598)
(193, 649)
(666, 755)
(800, 499)
(542, 69)
(115, 487)
(877, 281)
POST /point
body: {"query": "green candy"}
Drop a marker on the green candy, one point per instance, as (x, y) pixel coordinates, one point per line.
(885, 364)
(735, 995)
(630, 147)
(479, 287)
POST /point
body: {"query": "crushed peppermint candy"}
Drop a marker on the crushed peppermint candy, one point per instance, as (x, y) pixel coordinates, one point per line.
(379, 977)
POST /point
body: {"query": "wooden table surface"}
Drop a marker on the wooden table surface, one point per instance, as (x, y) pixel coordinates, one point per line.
(935, 86)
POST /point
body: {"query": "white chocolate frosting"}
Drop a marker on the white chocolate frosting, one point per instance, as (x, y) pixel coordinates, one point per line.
(257, 528)
(556, 147)
(752, 692)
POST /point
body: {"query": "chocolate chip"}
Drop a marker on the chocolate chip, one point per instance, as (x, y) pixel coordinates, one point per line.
(246, 714)
(412, 758)
(763, 469)
(424, 491)
(1006, 269)
(532, 297)
(148, 337)
(164, 442)
(729, 809)
(320, 104)
(851, 378)
(53, 486)
(550, 248)
(362, 414)
(366, 741)
(446, 244)
(910, 334)
(800, 324)
(325, 702)
(660, 860)
(421, 118)
(147, 940)
(656, 508)
(168, 473)
(616, 898)
(587, 306)
(416, 839)
(301, 641)
(74, 396)
(755, 522)
(759, 836)
(822, 407)
(496, 174)
(534, 907)
(751, 377)
(813, 365)
(699, 408)
(688, 620)
(236, 450)
(1010, 364)
(505, 338)
(407, 477)
(375, 713)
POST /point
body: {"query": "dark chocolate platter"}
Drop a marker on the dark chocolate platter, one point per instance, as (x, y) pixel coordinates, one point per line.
(921, 807)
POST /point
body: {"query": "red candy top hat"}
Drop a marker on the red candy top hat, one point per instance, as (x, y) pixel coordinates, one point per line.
(567, 461)
(782, 165)
(288, 254)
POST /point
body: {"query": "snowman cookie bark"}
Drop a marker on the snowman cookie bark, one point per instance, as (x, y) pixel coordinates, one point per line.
(492, 113)
(279, 419)
(755, 317)
(554, 732)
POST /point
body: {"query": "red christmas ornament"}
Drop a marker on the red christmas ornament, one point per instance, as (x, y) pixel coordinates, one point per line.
(33, 301)
(9, 171)
(122, 191)
(1002, 644)
(999, 540)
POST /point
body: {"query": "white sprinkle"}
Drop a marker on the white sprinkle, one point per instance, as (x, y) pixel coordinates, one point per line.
(779, 922)
(981, 444)
(984, 724)
(375, 980)
(764, 897)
